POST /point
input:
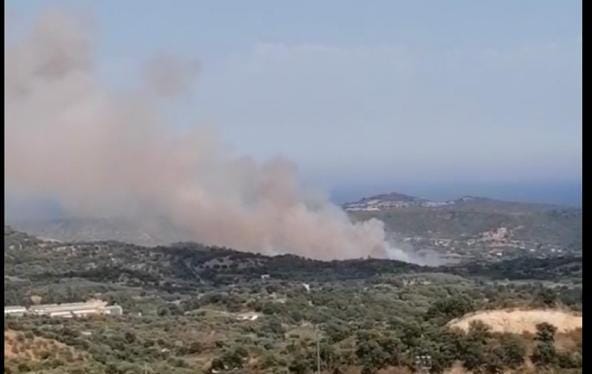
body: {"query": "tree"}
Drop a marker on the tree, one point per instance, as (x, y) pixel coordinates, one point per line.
(328, 355)
(444, 347)
(130, 337)
(111, 369)
(232, 359)
(473, 355)
(545, 332)
(217, 364)
(336, 331)
(494, 362)
(163, 311)
(375, 351)
(23, 367)
(411, 335)
(544, 354)
(450, 307)
(546, 296)
(474, 352)
(478, 332)
(299, 365)
(195, 347)
(513, 350)
(273, 326)
(269, 361)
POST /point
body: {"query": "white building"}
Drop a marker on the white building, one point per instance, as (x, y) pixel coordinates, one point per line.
(14, 311)
(69, 310)
(249, 316)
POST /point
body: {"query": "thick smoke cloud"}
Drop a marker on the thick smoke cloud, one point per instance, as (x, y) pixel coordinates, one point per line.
(169, 76)
(102, 153)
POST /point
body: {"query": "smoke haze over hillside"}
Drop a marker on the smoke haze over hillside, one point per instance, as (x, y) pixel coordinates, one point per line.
(101, 153)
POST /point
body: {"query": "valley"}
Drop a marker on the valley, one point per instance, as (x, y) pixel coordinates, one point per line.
(191, 308)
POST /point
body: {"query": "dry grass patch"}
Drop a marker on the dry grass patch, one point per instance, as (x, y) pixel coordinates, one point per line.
(519, 321)
(18, 345)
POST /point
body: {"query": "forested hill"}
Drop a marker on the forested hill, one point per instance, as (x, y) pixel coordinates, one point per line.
(184, 264)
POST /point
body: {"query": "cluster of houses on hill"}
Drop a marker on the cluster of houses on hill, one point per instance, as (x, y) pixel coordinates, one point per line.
(67, 310)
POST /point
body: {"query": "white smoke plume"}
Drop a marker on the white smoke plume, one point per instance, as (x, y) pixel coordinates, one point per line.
(102, 153)
(169, 76)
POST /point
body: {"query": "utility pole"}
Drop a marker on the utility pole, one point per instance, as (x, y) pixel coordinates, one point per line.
(318, 350)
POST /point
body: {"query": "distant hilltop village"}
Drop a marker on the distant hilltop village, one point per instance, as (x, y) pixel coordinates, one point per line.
(397, 200)
(67, 310)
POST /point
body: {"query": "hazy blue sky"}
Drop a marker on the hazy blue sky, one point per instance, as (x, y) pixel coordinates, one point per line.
(436, 98)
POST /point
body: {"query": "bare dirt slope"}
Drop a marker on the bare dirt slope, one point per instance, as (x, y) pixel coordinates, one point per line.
(519, 321)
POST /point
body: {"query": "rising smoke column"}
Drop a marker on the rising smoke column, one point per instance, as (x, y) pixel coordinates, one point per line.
(102, 153)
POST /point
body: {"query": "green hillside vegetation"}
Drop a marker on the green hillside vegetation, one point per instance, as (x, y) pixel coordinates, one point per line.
(530, 222)
(183, 303)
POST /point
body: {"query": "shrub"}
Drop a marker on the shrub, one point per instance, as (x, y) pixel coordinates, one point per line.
(544, 354)
(273, 326)
(567, 360)
(194, 347)
(233, 358)
(217, 364)
(129, 337)
(23, 367)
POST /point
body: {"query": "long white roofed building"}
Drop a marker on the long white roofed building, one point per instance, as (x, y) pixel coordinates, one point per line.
(67, 310)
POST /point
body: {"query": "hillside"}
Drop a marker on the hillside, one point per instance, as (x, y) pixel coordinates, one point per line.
(475, 227)
(518, 321)
(460, 230)
(181, 264)
(173, 267)
(96, 229)
(185, 306)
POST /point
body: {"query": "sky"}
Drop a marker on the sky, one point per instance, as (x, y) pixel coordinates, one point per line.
(430, 98)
